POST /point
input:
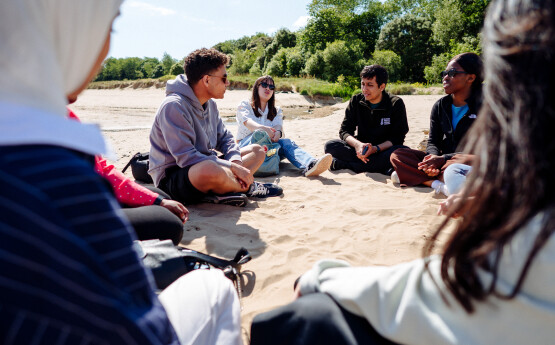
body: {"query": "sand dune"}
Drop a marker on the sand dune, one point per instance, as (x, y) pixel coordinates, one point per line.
(363, 218)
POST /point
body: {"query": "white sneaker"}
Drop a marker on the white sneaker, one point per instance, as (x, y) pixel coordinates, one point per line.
(441, 188)
(319, 166)
(395, 178)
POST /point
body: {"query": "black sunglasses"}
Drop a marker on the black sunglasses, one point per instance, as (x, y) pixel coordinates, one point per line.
(266, 85)
(224, 78)
(451, 73)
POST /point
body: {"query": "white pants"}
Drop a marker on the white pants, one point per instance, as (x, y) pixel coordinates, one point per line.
(203, 308)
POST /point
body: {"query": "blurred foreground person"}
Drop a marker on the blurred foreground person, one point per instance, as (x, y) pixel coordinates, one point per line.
(68, 271)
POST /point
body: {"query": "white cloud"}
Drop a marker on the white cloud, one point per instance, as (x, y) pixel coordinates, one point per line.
(300, 22)
(151, 9)
(198, 20)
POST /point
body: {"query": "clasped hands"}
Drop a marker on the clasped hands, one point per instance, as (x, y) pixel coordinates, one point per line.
(431, 165)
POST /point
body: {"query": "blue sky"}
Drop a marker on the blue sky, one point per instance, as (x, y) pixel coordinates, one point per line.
(151, 27)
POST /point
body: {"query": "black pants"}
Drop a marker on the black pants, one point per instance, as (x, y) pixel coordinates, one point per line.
(151, 222)
(346, 156)
(313, 319)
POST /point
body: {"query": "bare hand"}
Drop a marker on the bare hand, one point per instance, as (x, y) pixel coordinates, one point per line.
(276, 137)
(176, 208)
(242, 174)
(360, 155)
(452, 202)
(269, 130)
(431, 165)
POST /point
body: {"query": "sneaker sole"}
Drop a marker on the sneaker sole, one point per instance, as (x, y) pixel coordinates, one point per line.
(230, 201)
(321, 166)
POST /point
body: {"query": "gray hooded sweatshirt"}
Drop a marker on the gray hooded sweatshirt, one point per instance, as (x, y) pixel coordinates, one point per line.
(185, 133)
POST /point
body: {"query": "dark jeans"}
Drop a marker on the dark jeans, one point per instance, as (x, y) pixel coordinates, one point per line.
(347, 158)
(154, 221)
(313, 319)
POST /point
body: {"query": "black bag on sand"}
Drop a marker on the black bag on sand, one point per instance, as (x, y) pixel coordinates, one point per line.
(169, 262)
(139, 167)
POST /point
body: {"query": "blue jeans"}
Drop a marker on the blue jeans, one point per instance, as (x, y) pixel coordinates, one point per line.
(294, 154)
(455, 177)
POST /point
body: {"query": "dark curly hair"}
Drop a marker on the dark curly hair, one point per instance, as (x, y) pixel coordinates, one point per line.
(202, 62)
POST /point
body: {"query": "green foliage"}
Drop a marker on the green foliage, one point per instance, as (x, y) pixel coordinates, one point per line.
(448, 24)
(340, 59)
(391, 61)
(295, 62)
(283, 39)
(400, 89)
(322, 29)
(440, 61)
(409, 37)
(342, 36)
(158, 71)
(177, 69)
(278, 64)
(315, 65)
(167, 62)
(255, 68)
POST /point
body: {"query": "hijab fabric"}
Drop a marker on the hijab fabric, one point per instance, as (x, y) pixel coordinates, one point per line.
(48, 49)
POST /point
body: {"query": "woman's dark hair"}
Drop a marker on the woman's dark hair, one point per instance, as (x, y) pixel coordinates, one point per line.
(255, 101)
(369, 72)
(512, 180)
(472, 63)
(202, 62)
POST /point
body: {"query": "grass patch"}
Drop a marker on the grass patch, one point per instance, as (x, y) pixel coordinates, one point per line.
(305, 86)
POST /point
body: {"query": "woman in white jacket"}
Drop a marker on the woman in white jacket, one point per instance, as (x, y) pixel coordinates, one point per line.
(260, 113)
(494, 282)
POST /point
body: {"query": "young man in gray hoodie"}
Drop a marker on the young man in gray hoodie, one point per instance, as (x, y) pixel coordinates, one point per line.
(193, 157)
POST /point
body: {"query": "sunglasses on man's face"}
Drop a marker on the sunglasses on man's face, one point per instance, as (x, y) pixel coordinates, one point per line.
(266, 85)
(451, 73)
(223, 78)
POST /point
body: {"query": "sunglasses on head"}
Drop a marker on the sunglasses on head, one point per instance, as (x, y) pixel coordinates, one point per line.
(266, 85)
(451, 73)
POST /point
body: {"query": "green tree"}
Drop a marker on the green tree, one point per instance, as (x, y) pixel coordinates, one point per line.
(340, 59)
(278, 64)
(315, 65)
(409, 37)
(391, 61)
(448, 24)
(158, 71)
(324, 28)
(295, 62)
(167, 63)
(177, 69)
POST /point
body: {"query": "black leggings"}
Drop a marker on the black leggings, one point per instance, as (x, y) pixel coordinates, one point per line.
(313, 319)
(151, 222)
(347, 158)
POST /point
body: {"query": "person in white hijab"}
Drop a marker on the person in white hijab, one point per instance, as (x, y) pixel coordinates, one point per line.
(68, 273)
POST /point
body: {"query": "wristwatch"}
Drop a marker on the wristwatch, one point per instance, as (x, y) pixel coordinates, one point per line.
(378, 149)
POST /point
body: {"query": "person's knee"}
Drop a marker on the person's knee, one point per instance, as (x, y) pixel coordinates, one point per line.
(205, 175)
(331, 145)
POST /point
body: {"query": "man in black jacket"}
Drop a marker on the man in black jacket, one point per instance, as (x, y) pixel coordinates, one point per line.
(380, 122)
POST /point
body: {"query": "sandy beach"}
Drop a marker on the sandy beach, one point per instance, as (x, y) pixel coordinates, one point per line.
(364, 219)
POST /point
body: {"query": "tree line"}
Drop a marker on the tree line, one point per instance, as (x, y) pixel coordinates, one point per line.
(413, 39)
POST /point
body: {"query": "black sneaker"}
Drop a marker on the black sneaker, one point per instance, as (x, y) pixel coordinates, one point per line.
(232, 199)
(317, 167)
(264, 190)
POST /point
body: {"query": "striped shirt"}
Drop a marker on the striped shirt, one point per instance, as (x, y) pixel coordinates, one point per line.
(68, 273)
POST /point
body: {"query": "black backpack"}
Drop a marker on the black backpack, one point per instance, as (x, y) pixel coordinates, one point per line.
(139, 167)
